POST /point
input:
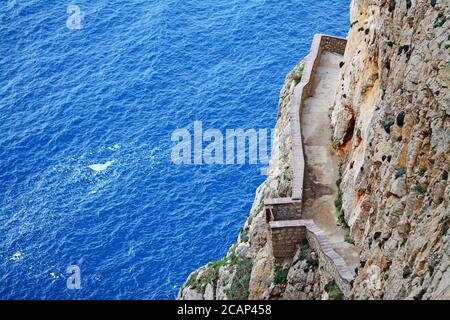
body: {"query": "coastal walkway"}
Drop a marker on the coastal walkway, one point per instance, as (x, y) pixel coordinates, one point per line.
(321, 162)
(310, 211)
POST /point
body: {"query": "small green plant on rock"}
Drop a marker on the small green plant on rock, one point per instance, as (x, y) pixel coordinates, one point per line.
(312, 263)
(338, 182)
(348, 237)
(338, 202)
(406, 271)
(239, 289)
(244, 235)
(340, 212)
(305, 250)
(444, 229)
(400, 172)
(298, 73)
(192, 281)
(333, 291)
(341, 219)
(432, 266)
(280, 275)
(419, 188)
(284, 157)
(440, 20)
(388, 124)
(302, 255)
(402, 243)
(422, 171)
(421, 294)
(304, 243)
(401, 119)
(208, 276)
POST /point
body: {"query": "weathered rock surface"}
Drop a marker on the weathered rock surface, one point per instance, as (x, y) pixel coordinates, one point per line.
(192, 294)
(392, 128)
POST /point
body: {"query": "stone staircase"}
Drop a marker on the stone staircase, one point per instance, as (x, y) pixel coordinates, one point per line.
(322, 169)
(310, 213)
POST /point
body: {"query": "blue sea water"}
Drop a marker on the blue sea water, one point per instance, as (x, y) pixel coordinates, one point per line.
(112, 93)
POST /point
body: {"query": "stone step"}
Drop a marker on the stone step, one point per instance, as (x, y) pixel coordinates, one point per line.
(329, 59)
(323, 71)
(326, 81)
(349, 254)
(324, 93)
(328, 78)
(319, 155)
(324, 84)
(316, 111)
(319, 102)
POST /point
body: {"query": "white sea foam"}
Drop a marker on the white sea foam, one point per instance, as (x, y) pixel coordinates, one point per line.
(17, 256)
(115, 147)
(98, 167)
(54, 275)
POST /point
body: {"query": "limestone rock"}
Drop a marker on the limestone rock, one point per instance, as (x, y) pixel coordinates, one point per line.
(209, 292)
(224, 283)
(191, 294)
(399, 187)
(395, 85)
(261, 277)
(242, 250)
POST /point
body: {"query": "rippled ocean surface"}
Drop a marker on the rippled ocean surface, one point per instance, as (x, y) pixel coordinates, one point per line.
(86, 118)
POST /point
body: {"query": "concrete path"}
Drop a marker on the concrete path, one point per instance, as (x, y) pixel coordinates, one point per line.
(321, 168)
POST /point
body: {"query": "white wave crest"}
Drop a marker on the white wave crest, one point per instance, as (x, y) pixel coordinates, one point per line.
(98, 167)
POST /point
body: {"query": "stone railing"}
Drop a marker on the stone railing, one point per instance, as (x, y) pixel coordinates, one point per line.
(282, 209)
(287, 234)
(283, 215)
(301, 93)
(331, 262)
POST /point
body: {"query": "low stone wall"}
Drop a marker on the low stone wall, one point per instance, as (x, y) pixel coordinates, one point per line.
(282, 209)
(333, 44)
(302, 92)
(331, 262)
(286, 235)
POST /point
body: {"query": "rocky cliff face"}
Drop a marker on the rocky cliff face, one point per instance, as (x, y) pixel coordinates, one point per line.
(391, 124)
